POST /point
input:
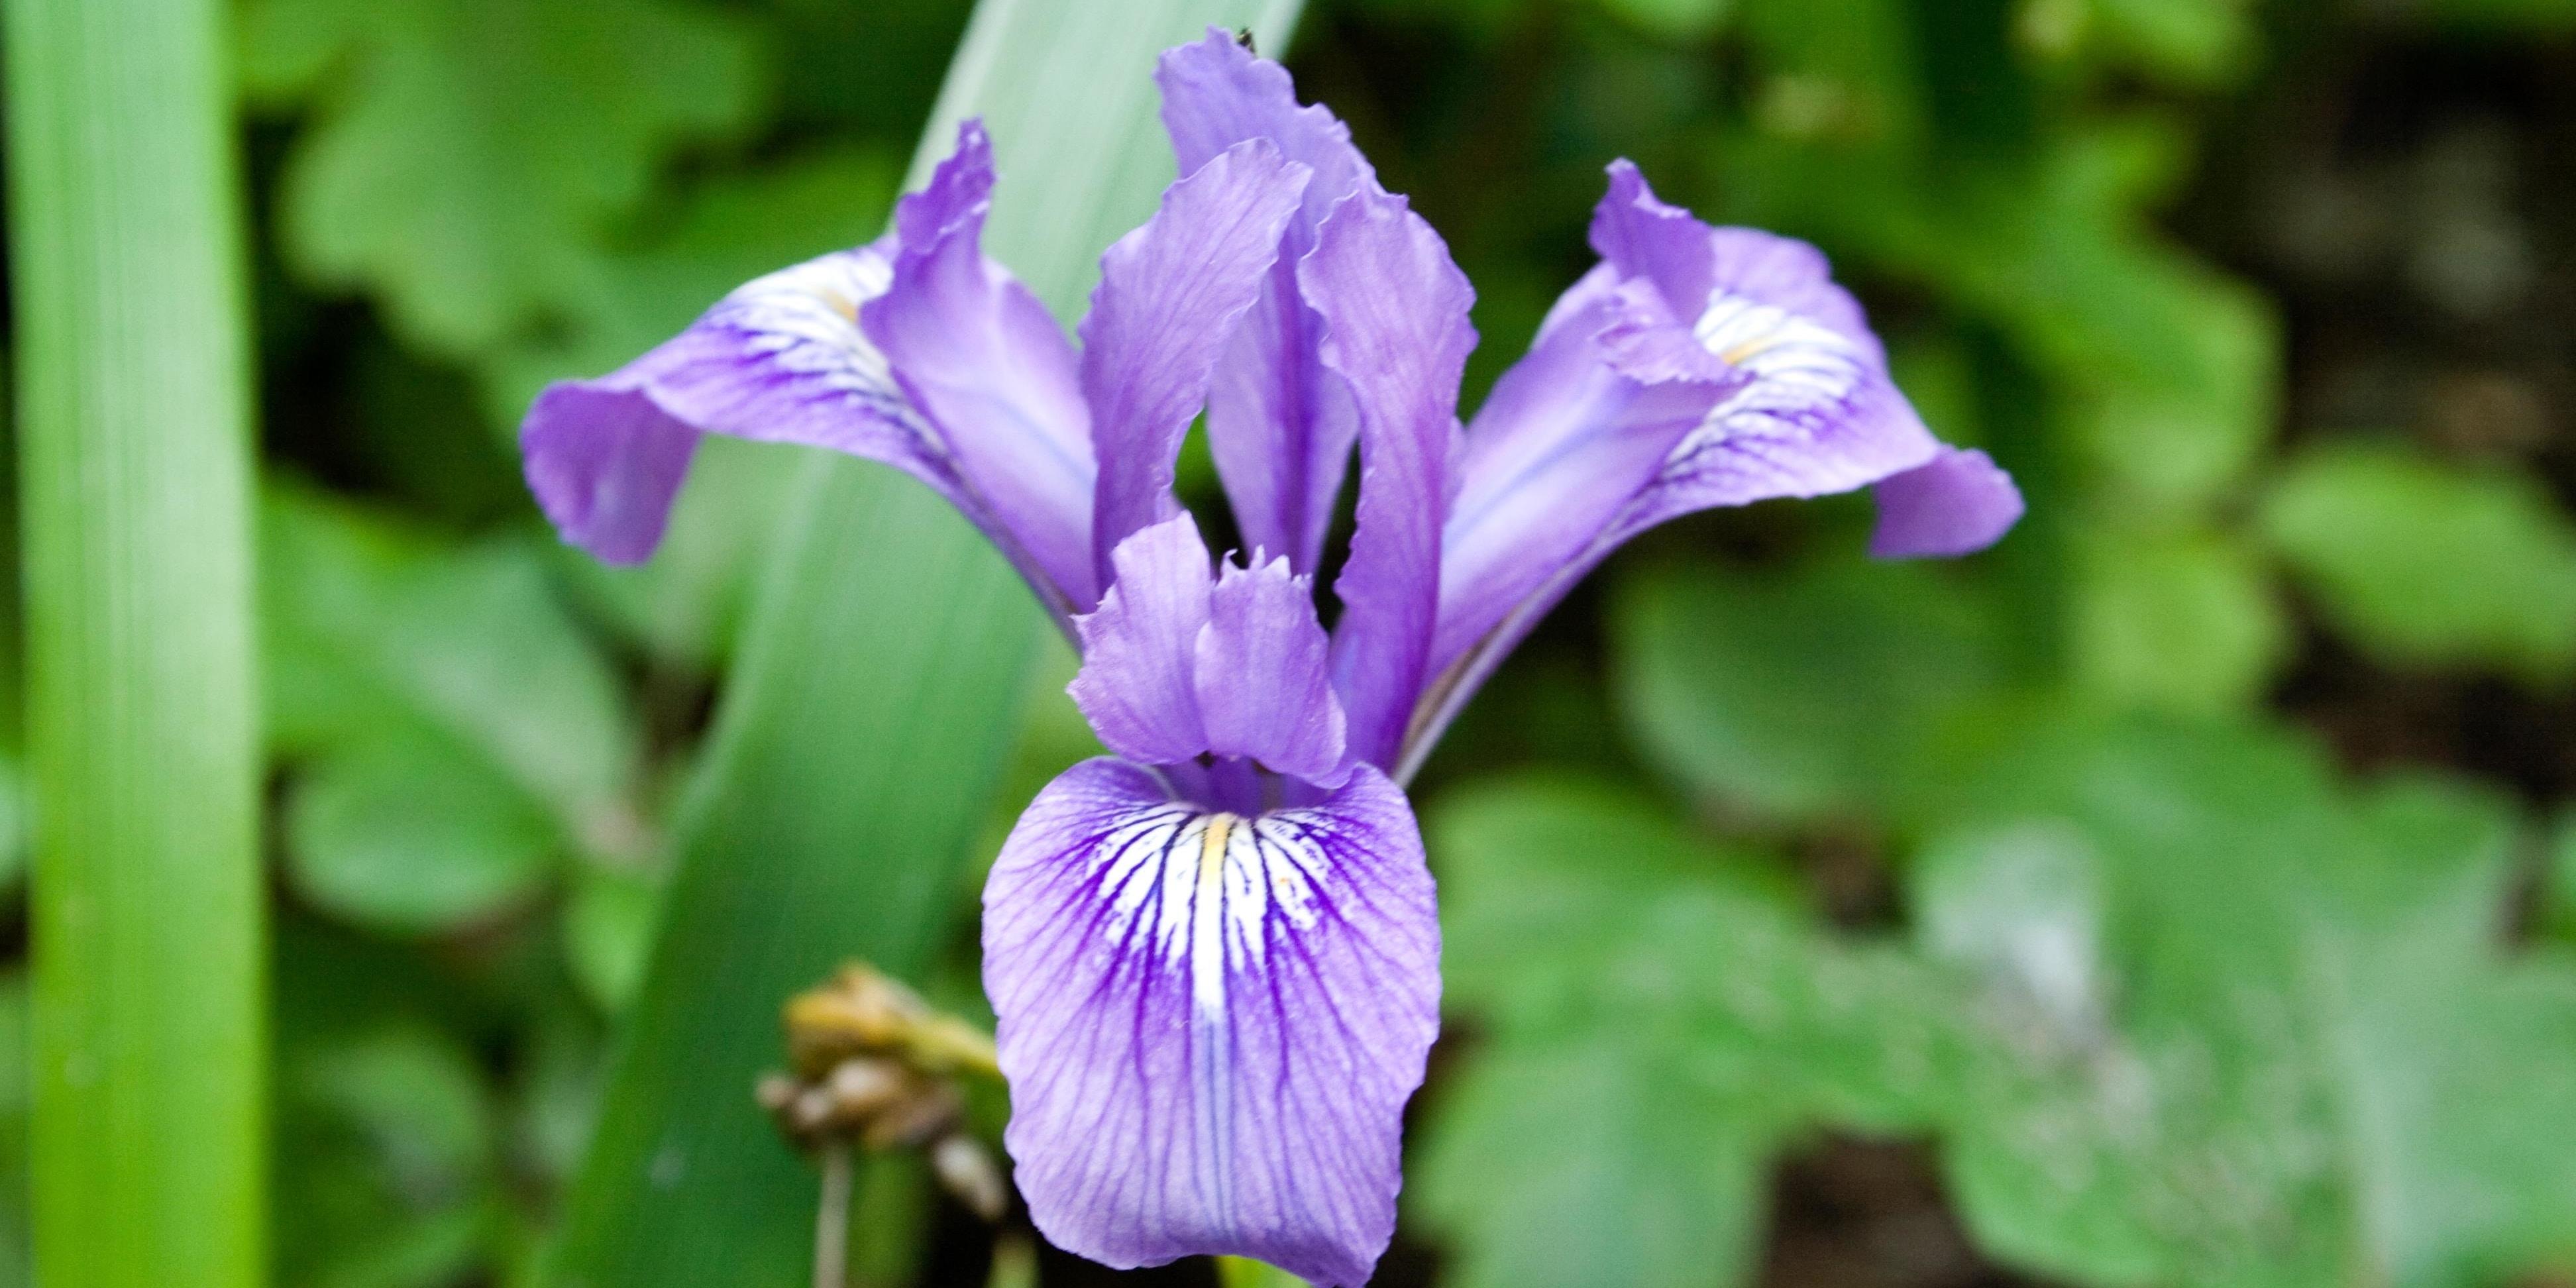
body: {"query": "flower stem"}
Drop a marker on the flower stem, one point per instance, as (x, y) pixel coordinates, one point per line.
(832, 1217)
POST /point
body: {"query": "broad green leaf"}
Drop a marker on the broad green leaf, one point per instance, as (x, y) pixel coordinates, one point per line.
(452, 732)
(2175, 622)
(2452, 1068)
(133, 388)
(1657, 1020)
(368, 624)
(410, 832)
(465, 154)
(2429, 565)
(870, 706)
(1847, 75)
(1796, 695)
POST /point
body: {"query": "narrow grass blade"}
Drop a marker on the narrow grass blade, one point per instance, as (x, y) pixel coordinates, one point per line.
(125, 243)
(875, 696)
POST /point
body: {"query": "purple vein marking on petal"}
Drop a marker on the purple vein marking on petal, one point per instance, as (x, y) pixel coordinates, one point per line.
(1210, 1023)
(779, 359)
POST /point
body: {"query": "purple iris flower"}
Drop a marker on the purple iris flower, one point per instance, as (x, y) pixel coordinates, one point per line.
(1215, 957)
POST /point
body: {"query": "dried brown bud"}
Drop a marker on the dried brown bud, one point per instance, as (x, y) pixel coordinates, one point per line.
(860, 1012)
(874, 1065)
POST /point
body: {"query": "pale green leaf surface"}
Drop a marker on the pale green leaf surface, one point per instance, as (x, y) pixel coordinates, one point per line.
(1677, 19)
(368, 624)
(453, 733)
(2173, 1083)
(2430, 565)
(2188, 41)
(2183, 622)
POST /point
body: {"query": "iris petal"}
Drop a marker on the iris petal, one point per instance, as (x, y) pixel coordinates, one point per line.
(1210, 1023)
(1140, 648)
(915, 350)
(1958, 503)
(1264, 675)
(983, 361)
(1280, 429)
(1170, 294)
(1396, 332)
(1617, 395)
(779, 360)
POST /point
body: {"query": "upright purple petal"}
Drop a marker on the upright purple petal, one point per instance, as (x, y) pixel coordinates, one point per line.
(1395, 315)
(1959, 503)
(1210, 1023)
(779, 360)
(1280, 430)
(1264, 676)
(1140, 647)
(979, 356)
(1169, 297)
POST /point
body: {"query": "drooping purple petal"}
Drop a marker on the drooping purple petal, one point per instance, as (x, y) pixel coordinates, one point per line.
(1958, 503)
(981, 359)
(1264, 675)
(1169, 297)
(1395, 315)
(1137, 684)
(1817, 413)
(779, 360)
(1810, 409)
(1280, 430)
(1210, 1023)
(1566, 440)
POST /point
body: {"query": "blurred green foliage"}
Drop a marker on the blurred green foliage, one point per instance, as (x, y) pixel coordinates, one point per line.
(2156, 873)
